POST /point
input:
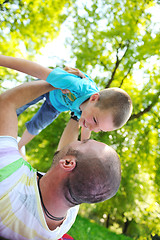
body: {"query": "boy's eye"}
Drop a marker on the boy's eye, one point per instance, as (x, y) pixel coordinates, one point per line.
(94, 120)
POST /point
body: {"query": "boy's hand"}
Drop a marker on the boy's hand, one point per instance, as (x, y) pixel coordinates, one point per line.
(85, 133)
(64, 90)
(74, 71)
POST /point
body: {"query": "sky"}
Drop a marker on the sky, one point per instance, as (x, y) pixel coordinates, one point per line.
(56, 51)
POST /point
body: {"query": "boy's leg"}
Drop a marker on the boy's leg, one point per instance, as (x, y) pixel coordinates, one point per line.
(23, 108)
(45, 116)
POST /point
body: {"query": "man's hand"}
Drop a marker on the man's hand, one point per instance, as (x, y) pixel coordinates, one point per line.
(64, 91)
(74, 71)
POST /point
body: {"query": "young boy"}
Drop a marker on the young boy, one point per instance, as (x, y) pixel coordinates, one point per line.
(95, 110)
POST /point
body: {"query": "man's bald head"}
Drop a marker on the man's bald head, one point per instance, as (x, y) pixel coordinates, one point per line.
(97, 174)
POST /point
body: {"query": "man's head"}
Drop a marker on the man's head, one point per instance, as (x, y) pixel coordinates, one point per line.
(93, 171)
(107, 110)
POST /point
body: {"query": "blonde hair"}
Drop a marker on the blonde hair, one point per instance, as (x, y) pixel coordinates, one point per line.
(119, 102)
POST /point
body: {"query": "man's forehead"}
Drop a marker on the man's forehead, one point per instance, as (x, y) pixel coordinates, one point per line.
(96, 145)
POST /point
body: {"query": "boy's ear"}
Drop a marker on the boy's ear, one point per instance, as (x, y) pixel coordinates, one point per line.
(94, 97)
(68, 163)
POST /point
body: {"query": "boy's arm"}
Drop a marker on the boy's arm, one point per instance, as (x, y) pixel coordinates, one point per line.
(85, 133)
(25, 66)
(34, 69)
(15, 98)
(69, 134)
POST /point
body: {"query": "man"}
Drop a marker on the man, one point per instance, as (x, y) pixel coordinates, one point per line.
(45, 207)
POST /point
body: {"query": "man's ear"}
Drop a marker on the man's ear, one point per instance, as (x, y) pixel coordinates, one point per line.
(68, 163)
(94, 97)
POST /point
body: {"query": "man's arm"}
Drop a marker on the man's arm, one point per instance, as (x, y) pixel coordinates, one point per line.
(26, 138)
(15, 98)
(69, 134)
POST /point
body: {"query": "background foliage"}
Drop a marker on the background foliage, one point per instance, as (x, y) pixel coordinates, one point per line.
(27, 25)
(88, 230)
(117, 43)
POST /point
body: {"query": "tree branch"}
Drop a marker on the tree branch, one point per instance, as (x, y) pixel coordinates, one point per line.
(125, 76)
(102, 63)
(118, 61)
(147, 109)
(114, 71)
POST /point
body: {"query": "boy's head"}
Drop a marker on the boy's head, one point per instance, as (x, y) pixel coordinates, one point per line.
(107, 110)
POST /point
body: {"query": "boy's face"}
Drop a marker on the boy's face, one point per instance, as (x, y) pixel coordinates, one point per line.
(95, 119)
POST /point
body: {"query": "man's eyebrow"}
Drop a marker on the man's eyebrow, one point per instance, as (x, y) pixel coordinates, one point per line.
(86, 140)
(56, 153)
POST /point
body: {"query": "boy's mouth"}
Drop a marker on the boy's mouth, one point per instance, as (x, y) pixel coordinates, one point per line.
(84, 124)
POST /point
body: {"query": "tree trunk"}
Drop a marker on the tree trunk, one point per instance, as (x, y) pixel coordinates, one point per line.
(125, 227)
(107, 221)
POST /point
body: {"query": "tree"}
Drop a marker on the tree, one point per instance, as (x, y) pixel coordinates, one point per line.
(114, 41)
(27, 25)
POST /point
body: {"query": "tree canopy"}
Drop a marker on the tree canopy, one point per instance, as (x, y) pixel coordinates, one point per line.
(117, 42)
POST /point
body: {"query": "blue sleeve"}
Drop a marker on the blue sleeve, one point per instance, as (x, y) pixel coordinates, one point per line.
(59, 78)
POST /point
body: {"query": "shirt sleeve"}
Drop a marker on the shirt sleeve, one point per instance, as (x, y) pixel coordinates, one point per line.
(59, 78)
(8, 151)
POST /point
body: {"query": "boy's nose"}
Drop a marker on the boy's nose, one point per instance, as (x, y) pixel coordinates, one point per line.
(93, 128)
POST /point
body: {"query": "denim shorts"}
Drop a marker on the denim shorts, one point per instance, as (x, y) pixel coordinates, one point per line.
(45, 115)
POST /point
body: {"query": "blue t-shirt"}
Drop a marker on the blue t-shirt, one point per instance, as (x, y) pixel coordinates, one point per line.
(80, 90)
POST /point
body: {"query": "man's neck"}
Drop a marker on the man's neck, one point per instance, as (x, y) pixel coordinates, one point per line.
(53, 200)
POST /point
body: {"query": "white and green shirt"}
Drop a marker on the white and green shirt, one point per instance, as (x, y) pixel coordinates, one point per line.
(21, 214)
